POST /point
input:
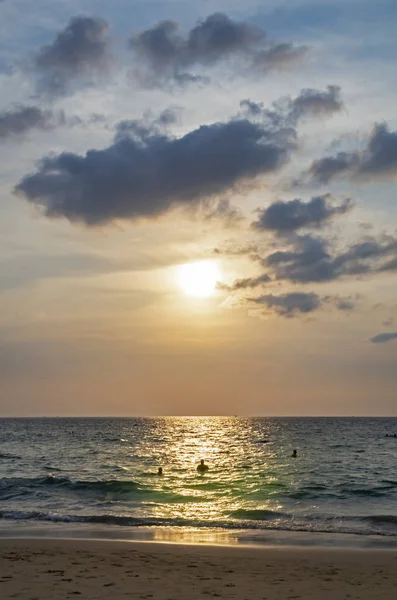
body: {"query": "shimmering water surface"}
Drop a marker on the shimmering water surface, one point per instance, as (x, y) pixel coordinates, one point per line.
(102, 472)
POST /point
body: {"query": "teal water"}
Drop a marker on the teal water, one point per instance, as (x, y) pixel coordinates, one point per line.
(103, 472)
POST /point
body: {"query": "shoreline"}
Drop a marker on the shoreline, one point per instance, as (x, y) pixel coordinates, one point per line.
(62, 568)
(196, 536)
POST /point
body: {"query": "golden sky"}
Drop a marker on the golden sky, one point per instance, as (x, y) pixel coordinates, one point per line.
(198, 209)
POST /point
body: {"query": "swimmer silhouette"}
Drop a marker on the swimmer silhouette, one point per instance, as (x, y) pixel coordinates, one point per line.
(160, 472)
(294, 454)
(202, 467)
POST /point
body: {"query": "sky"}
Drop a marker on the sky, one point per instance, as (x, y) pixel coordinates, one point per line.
(198, 207)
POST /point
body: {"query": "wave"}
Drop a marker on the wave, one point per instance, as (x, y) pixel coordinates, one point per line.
(382, 519)
(7, 456)
(366, 492)
(256, 514)
(286, 523)
(109, 489)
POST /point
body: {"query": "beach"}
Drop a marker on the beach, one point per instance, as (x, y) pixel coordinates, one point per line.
(41, 569)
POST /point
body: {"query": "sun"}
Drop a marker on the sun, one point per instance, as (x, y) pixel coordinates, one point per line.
(199, 278)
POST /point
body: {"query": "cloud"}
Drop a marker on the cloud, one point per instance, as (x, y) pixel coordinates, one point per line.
(291, 304)
(377, 160)
(282, 217)
(307, 259)
(21, 119)
(169, 55)
(312, 102)
(81, 50)
(233, 249)
(279, 56)
(287, 111)
(311, 260)
(221, 209)
(382, 338)
(247, 282)
(145, 173)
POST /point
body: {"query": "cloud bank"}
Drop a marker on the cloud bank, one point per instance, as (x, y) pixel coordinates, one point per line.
(170, 56)
(145, 172)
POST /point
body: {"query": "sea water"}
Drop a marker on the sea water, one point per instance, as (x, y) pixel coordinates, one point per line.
(102, 473)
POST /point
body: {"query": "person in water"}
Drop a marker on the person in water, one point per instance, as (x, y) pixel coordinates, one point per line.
(160, 472)
(294, 454)
(202, 467)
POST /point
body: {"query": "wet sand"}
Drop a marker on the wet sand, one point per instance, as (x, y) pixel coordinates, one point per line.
(41, 569)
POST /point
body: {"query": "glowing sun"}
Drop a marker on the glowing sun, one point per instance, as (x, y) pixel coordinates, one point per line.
(199, 278)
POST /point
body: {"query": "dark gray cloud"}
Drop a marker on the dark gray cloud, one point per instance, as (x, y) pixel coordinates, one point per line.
(378, 159)
(325, 169)
(21, 119)
(290, 304)
(144, 173)
(235, 249)
(283, 217)
(169, 55)
(306, 259)
(312, 102)
(382, 338)
(287, 111)
(310, 259)
(80, 50)
(245, 283)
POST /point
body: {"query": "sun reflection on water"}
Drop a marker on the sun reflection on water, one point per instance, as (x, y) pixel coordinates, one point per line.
(240, 477)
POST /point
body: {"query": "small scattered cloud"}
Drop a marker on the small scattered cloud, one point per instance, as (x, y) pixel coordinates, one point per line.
(169, 55)
(81, 50)
(382, 338)
(284, 217)
(222, 210)
(237, 250)
(21, 119)
(279, 56)
(290, 304)
(311, 102)
(377, 160)
(306, 259)
(146, 173)
(311, 259)
(245, 283)
(288, 111)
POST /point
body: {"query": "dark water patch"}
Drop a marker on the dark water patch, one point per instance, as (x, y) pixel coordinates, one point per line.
(381, 519)
(52, 469)
(7, 456)
(365, 492)
(256, 514)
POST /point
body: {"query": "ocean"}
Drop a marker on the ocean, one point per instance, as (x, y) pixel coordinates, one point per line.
(98, 477)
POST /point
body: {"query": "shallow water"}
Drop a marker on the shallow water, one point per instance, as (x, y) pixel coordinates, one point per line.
(102, 472)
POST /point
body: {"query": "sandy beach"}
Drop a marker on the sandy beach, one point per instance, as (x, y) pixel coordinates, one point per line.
(41, 569)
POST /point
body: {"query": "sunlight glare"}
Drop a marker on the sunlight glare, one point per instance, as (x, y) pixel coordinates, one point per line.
(199, 278)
